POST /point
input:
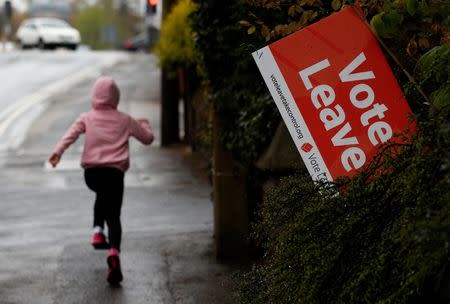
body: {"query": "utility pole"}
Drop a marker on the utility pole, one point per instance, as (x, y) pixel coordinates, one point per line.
(123, 8)
(150, 15)
(7, 16)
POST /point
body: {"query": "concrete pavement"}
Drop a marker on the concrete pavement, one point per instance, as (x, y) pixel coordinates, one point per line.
(46, 215)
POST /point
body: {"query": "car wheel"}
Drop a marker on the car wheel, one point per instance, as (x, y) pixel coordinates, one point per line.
(20, 45)
(73, 47)
(41, 44)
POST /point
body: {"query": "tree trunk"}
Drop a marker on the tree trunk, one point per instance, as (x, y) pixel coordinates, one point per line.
(170, 126)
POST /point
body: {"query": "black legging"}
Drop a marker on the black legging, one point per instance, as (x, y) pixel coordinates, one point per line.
(107, 183)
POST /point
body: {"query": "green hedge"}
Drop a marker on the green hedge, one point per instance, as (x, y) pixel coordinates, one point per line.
(236, 89)
(384, 239)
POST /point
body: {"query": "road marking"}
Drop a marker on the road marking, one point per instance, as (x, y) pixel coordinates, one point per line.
(13, 112)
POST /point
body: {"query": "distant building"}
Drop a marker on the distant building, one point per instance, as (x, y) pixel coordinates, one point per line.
(50, 8)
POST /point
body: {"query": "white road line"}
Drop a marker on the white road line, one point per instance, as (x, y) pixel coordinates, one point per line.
(11, 113)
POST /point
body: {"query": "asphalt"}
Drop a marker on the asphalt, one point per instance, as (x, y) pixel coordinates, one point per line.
(45, 214)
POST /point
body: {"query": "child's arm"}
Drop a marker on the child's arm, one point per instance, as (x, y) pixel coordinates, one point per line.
(54, 159)
(71, 135)
(141, 130)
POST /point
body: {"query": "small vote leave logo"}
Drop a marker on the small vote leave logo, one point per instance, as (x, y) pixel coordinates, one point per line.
(306, 147)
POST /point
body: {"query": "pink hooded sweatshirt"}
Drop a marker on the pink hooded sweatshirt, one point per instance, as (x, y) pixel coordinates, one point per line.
(106, 130)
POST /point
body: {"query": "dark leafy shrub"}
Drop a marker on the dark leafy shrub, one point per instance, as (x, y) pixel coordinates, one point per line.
(236, 89)
(384, 239)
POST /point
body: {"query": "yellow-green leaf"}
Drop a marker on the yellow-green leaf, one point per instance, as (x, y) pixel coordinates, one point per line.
(291, 11)
(386, 25)
(313, 16)
(251, 30)
(304, 18)
(424, 43)
(336, 4)
(411, 49)
(411, 6)
(299, 9)
(313, 2)
(278, 29)
(303, 2)
(377, 24)
(265, 32)
(293, 26)
(244, 22)
(307, 16)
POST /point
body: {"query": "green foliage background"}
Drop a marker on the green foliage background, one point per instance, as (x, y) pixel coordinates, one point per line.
(176, 44)
(91, 20)
(236, 89)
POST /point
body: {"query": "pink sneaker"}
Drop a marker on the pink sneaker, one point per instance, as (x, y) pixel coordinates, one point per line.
(99, 241)
(114, 276)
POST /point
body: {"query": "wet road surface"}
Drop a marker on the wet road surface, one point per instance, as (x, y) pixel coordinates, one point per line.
(46, 214)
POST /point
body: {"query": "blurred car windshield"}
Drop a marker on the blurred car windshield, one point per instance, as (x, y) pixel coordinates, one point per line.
(54, 23)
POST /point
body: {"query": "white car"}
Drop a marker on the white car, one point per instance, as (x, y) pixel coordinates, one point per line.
(47, 33)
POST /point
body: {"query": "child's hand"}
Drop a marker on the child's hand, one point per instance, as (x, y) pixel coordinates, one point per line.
(54, 159)
(142, 120)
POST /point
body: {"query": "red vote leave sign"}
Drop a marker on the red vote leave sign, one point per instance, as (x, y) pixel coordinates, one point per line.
(335, 92)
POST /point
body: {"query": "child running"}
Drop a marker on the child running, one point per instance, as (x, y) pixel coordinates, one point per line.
(105, 160)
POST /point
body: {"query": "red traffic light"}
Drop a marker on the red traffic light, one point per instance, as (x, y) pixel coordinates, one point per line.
(151, 7)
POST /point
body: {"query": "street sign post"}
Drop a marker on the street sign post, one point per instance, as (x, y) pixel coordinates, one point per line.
(335, 92)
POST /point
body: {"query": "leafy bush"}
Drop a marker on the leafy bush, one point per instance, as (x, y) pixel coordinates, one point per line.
(176, 45)
(433, 71)
(236, 89)
(386, 237)
(225, 37)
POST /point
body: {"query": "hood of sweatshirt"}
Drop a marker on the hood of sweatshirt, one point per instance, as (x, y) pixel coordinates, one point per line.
(105, 94)
(103, 123)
